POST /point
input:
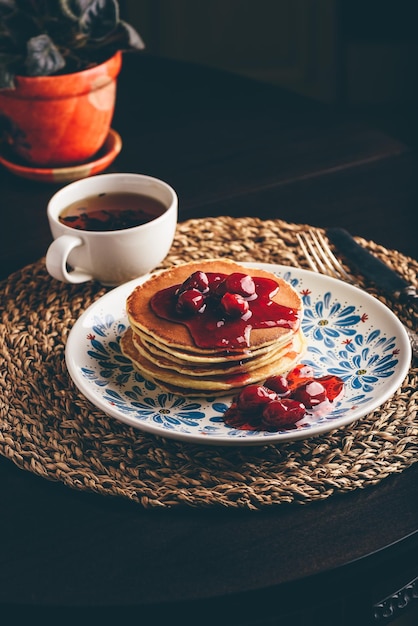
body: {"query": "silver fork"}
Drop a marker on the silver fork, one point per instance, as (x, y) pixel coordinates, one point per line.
(323, 261)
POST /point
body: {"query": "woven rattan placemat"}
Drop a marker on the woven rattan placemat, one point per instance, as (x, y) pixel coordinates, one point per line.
(49, 428)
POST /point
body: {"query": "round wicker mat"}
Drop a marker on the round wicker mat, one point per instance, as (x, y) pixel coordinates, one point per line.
(49, 428)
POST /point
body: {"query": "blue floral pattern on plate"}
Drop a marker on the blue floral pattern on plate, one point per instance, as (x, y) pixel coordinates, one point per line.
(349, 333)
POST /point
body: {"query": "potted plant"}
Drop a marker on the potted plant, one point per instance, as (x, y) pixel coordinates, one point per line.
(59, 62)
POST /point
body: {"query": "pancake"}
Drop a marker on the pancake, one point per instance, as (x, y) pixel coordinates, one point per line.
(212, 359)
(174, 381)
(165, 361)
(210, 350)
(142, 317)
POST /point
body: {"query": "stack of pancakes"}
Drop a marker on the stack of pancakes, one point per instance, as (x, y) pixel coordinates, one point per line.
(164, 351)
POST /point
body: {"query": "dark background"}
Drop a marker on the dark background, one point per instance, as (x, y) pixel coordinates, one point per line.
(358, 55)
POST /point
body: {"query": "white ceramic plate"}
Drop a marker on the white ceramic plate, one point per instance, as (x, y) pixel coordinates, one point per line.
(349, 333)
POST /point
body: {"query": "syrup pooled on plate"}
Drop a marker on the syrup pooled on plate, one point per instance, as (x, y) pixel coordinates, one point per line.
(112, 211)
(220, 310)
(282, 401)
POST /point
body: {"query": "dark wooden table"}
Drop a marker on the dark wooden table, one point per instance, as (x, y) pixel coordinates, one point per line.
(228, 146)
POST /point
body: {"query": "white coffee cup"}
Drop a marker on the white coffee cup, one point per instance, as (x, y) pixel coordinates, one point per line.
(116, 256)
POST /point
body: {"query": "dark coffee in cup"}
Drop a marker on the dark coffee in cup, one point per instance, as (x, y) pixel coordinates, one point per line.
(112, 211)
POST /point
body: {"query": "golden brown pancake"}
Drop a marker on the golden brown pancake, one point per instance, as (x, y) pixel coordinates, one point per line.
(185, 366)
(192, 385)
(165, 352)
(143, 318)
(215, 360)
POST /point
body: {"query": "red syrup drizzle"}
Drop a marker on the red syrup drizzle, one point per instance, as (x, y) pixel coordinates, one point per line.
(212, 327)
(283, 401)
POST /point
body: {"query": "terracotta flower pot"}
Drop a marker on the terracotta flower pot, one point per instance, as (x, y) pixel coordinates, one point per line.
(60, 120)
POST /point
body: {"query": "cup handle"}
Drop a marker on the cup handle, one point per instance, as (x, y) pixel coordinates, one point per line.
(57, 260)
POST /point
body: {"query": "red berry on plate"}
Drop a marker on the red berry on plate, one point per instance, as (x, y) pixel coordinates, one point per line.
(197, 280)
(310, 394)
(238, 419)
(278, 384)
(333, 386)
(190, 301)
(282, 412)
(218, 288)
(243, 284)
(254, 397)
(234, 305)
(299, 374)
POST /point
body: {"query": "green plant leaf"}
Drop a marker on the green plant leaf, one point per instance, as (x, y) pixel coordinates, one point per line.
(43, 58)
(131, 36)
(99, 18)
(6, 79)
(7, 64)
(61, 36)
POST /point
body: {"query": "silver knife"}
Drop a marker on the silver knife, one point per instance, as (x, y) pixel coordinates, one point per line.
(368, 265)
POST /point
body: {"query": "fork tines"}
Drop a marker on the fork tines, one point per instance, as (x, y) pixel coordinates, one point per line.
(320, 256)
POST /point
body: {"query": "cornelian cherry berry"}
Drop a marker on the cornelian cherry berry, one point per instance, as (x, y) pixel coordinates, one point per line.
(299, 375)
(243, 284)
(310, 393)
(282, 412)
(253, 397)
(190, 301)
(278, 384)
(238, 419)
(234, 305)
(197, 280)
(276, 404)
(333, 386)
